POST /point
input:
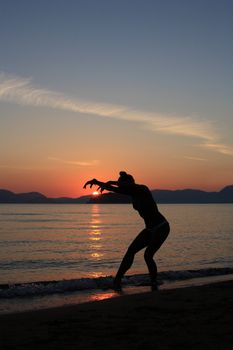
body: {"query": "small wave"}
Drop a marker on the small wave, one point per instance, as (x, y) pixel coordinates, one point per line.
(20, 214)
(63, 286)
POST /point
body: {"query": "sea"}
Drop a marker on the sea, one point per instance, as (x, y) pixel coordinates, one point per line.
(55, 254)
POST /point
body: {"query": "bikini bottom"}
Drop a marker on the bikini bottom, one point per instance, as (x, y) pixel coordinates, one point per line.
(155, 228)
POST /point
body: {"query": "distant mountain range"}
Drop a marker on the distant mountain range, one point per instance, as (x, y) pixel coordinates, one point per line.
(161, 196)
(36, 197)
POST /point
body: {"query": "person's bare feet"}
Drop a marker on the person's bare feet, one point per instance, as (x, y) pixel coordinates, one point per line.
(154, 286)
(117, 285)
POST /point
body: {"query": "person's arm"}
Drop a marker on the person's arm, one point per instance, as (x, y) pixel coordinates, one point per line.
(106, 184)
(113, 186)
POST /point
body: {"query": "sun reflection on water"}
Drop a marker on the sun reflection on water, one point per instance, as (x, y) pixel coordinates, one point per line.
(95, 234)
(103, 296)
(97, 255)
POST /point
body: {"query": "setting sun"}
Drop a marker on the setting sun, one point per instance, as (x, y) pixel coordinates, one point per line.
(95, 193)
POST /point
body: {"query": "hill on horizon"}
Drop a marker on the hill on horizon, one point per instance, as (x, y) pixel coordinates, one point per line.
(225, 195)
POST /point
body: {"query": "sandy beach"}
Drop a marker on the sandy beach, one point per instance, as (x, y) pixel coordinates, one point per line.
(186, 318)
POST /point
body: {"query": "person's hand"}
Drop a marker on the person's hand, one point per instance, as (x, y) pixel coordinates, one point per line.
(101, 189)
(91, 183)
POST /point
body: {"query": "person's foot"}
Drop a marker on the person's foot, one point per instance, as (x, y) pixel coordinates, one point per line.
(117, 285)
(154, 286)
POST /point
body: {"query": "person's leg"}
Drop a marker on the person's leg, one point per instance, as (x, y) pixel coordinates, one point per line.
(140, 242)
(158, 238)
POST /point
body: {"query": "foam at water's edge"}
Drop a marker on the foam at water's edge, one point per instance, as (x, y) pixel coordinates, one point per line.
(62, 286)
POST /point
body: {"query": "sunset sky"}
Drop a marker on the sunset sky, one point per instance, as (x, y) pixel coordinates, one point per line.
(92, 87)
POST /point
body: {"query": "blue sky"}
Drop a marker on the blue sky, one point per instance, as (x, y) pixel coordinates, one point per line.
(150, 80)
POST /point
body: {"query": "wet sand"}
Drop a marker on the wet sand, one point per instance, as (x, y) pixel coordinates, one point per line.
(185, 318)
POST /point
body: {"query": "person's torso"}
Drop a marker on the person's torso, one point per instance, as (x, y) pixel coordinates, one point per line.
(144, 203)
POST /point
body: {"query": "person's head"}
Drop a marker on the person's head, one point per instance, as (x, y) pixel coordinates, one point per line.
(124, 177)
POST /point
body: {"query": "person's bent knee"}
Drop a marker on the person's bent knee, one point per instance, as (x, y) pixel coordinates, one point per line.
(148, 256)
(130, 252)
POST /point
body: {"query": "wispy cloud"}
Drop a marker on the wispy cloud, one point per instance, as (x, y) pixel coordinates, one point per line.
(22, 91)
(14, 167)
(196, 158)
(219, 147)
(74, 162)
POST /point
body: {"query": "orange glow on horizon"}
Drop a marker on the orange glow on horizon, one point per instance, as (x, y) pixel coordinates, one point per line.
(69, 182)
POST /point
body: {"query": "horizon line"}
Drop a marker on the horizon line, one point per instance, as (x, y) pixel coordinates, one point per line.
(88, 195)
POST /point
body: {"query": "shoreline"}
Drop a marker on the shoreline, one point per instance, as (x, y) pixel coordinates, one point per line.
(192, 317)
(22, 304)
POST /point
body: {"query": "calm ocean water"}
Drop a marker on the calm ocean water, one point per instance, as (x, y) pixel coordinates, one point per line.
(84, 242)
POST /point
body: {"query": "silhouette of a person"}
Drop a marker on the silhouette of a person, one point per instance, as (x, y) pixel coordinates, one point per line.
(156, 226)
